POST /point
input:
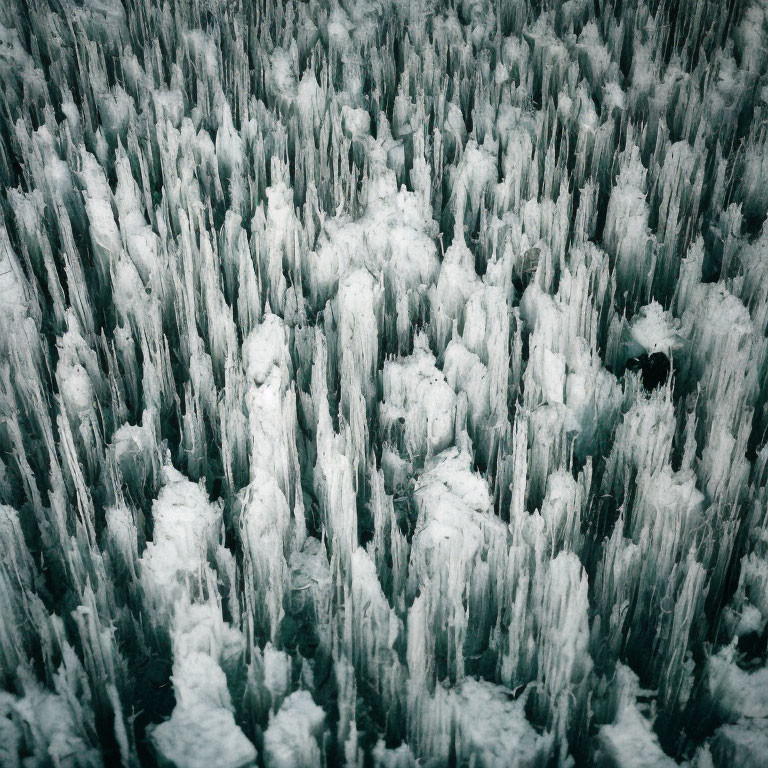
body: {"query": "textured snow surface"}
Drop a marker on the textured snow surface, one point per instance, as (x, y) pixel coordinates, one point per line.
(384, 383)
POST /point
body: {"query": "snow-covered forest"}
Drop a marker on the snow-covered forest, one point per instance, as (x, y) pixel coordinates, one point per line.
(383, 383)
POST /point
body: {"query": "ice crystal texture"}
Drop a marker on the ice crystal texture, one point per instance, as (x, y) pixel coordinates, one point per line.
(383, 383)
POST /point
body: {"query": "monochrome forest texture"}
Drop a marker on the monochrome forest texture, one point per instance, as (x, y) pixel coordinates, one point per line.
(383, 383)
